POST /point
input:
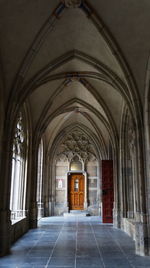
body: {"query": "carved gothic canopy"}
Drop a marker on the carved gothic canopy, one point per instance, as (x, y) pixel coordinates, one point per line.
(76, 143)
(19, 137)
(131, 136)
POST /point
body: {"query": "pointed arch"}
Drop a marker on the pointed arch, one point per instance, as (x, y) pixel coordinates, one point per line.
(19, 169)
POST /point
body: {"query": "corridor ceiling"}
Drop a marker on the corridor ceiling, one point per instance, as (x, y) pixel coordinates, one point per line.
(75, 65)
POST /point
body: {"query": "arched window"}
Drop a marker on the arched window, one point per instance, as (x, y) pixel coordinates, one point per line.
(40, 179)
(19, 170)
(76, 164)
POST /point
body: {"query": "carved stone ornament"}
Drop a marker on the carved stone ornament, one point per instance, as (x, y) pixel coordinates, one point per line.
(19, 138)
(131, 137)
(73, 3)
(76, 143)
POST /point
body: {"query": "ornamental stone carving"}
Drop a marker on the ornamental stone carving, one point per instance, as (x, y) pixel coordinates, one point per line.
(73, 3)
(19, 137)
(78, 144)
(131, 136)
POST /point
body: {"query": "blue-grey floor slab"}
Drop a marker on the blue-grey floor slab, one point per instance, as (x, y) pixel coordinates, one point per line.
(85, 242)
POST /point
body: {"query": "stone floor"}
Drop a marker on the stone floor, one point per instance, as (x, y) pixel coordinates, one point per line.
(74, 243)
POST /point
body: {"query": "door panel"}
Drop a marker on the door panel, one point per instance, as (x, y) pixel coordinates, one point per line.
(107, 191)
(76, 191)
(81, 199)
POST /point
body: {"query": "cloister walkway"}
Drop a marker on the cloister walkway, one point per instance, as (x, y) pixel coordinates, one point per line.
(74, 243)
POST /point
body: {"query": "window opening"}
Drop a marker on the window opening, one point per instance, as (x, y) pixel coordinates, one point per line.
(76, 185)
(19, 171)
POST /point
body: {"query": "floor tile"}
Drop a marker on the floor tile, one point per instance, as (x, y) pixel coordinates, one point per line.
(88, 261)
(36, 260)
(61, 261)
(74, 243)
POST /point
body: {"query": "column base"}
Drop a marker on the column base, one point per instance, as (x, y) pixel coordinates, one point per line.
(33, 217)
(117, 215)
(141, 239)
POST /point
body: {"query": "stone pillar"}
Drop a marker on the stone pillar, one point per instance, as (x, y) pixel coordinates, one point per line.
(33, 208)
(99, 188)
(85, 193)
(5, 232)
(117, 214)
(46, 187)
(53, 188)
(33, 215)
(66, 203)
(47, 204)
(141, 238)
(5, 185)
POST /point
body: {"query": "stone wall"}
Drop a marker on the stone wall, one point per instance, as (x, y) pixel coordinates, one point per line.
(93, 191)
(93, 183)
(18, 229)
(60, 187)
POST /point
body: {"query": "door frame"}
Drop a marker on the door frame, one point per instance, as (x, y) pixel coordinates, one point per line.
(84, 173)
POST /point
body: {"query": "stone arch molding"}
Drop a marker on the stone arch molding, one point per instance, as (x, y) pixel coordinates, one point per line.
(101, 143)
(76, 143)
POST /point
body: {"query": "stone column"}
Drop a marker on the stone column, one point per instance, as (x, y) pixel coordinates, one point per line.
(46, 187)
(99, 187)
(85, 193)
(66, 192)
(117, 214)
(53, 187)
(33, 208)
(33, 215)
(5, 230)
(5, 184)
(141, 238)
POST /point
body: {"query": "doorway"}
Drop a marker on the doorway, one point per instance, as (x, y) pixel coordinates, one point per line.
(76, 191)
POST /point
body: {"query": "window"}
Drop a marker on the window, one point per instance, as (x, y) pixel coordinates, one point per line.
(76, 164)
(76, 185)
(19, 171)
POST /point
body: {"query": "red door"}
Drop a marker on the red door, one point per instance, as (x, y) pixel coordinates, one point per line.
(107, 191)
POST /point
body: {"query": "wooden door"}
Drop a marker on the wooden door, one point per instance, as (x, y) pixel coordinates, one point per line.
(76, 191)
(107, 191)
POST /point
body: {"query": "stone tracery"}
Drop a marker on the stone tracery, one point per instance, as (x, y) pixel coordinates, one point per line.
(131, 136)
(76, 143)
(19, 137)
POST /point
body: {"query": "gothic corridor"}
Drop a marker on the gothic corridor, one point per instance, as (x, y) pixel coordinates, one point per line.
(75, 133)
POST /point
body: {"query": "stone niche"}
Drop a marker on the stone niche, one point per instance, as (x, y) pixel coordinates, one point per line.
(76, 153)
